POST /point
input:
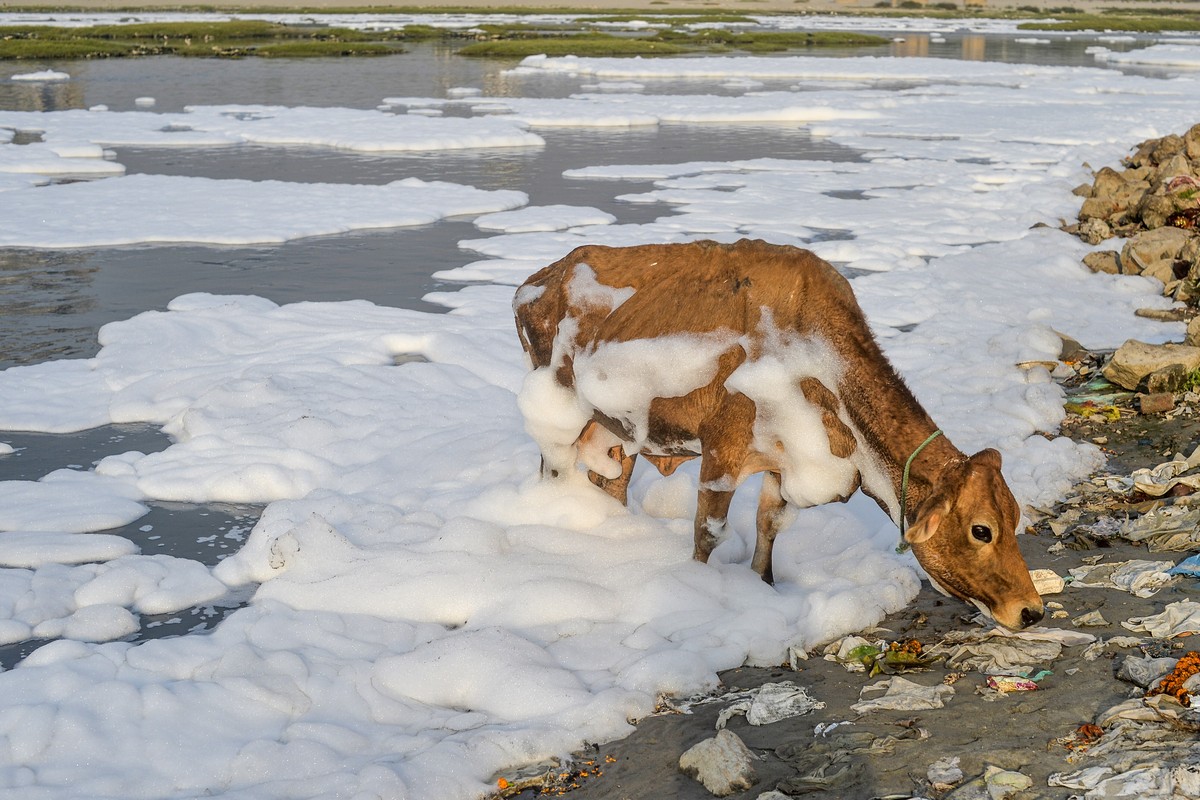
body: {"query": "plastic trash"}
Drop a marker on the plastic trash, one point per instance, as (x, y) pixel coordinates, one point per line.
(1139, 577)
(1180, 617)
(1047, 581)
(1092, 619)
(1167, 528)
(1189, 566)
(901, 694)
(1157, 481)
(993, 784)
(769, 703)
(945, 773)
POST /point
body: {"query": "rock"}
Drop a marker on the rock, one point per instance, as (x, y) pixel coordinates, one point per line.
(1154, 209)
(1164, 314)
(1192, 337)
(1191, 142)
(1070, 349)
(1095, 231)
(1168, 380)
(1106, 261)
(723, 764)
(1148, 247)
(1159, 403)
(1135, 360)
(1098, 208)
(1162, 271)
(1107, 182)
(1174, 166)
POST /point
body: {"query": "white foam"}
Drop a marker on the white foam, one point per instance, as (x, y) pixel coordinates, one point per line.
(425, 611)
(45, 75)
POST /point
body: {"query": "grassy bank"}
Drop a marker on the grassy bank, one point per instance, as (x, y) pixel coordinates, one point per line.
(245, 38)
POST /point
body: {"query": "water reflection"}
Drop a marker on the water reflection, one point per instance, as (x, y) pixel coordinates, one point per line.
(48, 305)
(38, 95)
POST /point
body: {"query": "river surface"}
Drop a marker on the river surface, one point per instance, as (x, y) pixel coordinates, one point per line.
(52, 303)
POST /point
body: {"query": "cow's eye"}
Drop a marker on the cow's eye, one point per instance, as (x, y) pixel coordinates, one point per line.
(981, 532)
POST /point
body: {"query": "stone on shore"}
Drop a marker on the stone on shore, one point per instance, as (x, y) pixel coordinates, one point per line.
(1134, 361)
(723, 764)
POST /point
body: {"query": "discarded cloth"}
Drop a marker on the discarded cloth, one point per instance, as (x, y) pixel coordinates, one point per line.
(993, 784)
(1138, 577)
(1157, 481)
(901, 694)
(769, 703)
(1179, 617)
(1167, 528)
(998, 651)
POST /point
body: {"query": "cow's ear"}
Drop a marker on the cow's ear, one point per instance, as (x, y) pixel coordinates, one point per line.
(926, 526)
(987, 458)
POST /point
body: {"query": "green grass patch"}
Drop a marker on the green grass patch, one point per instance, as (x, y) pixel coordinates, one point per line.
(234, 39)
(665, 17)
(582, 45)
(778, 41)
(519, 44)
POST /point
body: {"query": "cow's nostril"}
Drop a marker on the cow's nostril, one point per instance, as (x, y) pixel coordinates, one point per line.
(1030, 616)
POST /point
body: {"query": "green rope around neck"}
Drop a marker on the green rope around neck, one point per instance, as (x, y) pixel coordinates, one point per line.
(904, 545)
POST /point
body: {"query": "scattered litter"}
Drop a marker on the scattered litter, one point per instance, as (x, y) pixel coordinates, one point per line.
(997, 651)
(1177, 618)
(1124, 641)
(1157, 481)
(993, 784)
(1087, 778)
(1081, 739)
(1189, 566)
(1166, 528)
(1092, 619)
(849, 650)
(1011, 683)
(944, 774)
(826, 728)
(1138, 577)
(1144, 672)
(901, 694)
(1175, 684)
(1047, 581)
(769, 703)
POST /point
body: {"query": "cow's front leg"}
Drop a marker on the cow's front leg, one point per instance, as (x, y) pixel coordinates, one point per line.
(617, 487)
(712, 507)
(770, 519)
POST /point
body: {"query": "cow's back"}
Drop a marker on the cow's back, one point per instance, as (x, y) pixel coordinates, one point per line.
(678, 289)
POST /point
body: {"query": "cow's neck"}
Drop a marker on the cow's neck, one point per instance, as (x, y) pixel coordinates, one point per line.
(893, 425)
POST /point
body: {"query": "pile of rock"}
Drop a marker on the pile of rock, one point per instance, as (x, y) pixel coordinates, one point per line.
(1154, 203)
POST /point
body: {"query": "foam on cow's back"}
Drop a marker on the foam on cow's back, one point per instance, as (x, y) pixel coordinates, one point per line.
(584, 291)
(811, 474)
(621, 379)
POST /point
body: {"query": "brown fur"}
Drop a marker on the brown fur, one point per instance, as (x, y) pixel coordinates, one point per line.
(869, 417)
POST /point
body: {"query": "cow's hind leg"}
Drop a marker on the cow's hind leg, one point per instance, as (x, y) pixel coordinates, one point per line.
(770, 519)
(617, 487)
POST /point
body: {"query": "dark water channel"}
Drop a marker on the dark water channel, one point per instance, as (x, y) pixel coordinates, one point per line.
(53, 302)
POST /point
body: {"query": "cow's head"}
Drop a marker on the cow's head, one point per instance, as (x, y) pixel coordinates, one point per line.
(965, 538)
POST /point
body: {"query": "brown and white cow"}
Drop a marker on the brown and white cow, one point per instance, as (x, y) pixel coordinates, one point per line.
(755, 358)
